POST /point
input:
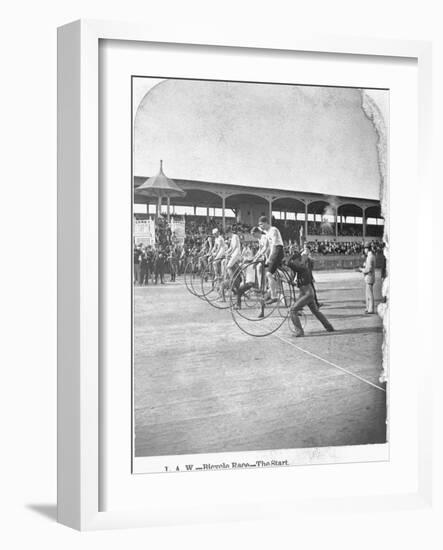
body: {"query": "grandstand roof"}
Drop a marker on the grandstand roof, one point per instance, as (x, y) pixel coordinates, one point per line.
(208, 194)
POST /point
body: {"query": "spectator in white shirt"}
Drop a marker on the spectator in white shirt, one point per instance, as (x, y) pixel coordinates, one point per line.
(368, 271)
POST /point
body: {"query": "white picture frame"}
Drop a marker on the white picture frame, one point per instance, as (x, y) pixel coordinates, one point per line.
(79, 270)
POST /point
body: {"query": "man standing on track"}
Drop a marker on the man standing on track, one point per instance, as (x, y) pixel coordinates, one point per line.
(307, 258)
(368, 271)
(307, 295)
(275, 255)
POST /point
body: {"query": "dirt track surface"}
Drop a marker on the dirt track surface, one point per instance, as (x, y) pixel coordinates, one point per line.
(202, 385)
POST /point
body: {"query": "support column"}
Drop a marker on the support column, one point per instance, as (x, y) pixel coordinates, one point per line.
(223, 212)
(168, 208)
(195, 210)
(363, 210)
(270, 211)
(336, 222)
(159, 206)
(207, 214)
(306, 221)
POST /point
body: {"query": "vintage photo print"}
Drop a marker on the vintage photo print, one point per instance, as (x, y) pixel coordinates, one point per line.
(260, 274)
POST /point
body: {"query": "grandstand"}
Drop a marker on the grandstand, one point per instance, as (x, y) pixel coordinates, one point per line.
(309, 157)
(307, 216)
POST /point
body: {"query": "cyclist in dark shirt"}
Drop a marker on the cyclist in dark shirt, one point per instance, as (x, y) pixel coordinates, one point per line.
(306, 257)
(306, 296)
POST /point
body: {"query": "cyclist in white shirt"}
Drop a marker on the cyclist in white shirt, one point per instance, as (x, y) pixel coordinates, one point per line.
(275, 256)
(218, 251)
(262, 252)
(233, 254)
(263, 244)
(205, 252)
(251, 270)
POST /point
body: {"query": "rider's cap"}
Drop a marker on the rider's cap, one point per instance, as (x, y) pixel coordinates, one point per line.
(215, 231)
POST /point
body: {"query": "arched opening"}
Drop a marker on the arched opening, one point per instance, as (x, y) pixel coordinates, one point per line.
(289, 216)
(374, 222)
(321, 220)
(351, 221)
(248, 207)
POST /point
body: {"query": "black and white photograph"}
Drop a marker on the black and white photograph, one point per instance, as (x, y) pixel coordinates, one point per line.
(260, 261)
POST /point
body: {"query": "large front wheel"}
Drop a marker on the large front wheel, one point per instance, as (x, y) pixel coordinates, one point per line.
(187, 275)
(253, 310)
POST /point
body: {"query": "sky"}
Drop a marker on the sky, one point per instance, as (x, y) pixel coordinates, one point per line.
(303, 138)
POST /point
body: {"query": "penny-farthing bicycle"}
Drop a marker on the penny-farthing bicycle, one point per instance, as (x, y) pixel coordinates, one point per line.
(251, 308)
(217, 285)
(192, 275)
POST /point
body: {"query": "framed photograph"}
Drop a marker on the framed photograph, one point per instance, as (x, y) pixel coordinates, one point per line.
(234, 223)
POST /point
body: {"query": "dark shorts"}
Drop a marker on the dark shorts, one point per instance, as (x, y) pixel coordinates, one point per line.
(275, 259)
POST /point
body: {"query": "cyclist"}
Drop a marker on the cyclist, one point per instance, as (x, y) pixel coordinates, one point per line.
(275, 256)
(218, 250)
(233, 254)
(252, 270)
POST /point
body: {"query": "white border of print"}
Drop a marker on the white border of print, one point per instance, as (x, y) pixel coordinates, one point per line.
(118, 63)
(79, 423)
(118, 60)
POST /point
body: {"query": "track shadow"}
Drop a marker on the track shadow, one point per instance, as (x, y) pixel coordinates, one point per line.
(347, 316)
(334, 289)
(328, 306)
(361, 301)
(48, 511)
(339, 332)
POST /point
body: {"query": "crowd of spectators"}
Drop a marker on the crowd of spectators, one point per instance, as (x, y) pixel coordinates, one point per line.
(317, 228)
(345, 230)
(163, 232)
(169, 256)
(197, 230)
(339, 247)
